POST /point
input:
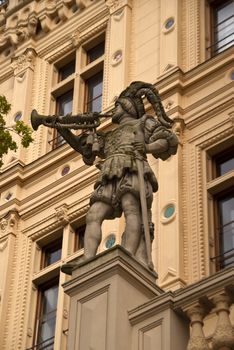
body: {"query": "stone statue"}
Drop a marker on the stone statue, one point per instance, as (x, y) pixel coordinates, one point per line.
(126, 182)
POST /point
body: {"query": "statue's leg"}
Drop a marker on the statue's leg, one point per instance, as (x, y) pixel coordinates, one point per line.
(131, 209)
(93, 234)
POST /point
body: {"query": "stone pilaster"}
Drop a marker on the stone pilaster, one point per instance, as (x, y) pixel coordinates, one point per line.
(171, 260)
(23, 66)
(8, 232)
(119, 51)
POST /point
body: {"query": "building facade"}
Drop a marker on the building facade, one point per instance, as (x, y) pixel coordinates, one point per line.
(72, 56)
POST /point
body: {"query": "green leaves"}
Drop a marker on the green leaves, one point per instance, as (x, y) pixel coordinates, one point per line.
(25, 132)
(6, 141)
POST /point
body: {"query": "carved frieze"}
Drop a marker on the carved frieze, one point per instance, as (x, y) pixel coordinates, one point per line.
(34, 18)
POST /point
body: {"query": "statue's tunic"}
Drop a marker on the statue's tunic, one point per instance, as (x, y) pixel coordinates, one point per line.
(119, 173)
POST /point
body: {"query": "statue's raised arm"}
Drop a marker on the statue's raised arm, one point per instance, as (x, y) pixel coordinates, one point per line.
(88, 143)
(126, 182)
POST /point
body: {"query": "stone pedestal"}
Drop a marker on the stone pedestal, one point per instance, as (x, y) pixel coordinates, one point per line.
(103, 290)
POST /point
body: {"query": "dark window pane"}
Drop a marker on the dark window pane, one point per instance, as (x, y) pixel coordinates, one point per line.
(96, 52)
(226, 166)
(52, 253)
(226, 231)
(225, 162)
(66, 70)
(50, 300)
(47, 318)
(79, 237)
(63, 106)
(223, 26)
(94, 93)
(64, 103)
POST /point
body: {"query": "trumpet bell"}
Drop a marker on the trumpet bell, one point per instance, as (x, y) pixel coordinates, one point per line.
(36, 119)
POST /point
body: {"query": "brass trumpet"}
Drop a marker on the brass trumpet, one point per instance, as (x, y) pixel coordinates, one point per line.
(79, 121)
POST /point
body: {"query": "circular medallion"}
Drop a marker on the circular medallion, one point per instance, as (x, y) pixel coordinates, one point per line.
(110, 241)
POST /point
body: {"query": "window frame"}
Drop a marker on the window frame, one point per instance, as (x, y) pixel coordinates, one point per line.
(77, 80)
(54, 244)
(57, 140)
(77, 245)
(218, 187)
(220, 263)
(87, 101)
(214, 4)
(41, 288)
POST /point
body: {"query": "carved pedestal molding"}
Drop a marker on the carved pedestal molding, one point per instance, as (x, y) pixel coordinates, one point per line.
(223, 338)
(197, 339)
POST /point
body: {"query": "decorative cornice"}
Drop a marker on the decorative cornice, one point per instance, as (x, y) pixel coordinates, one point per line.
(18, 26)
(32, 210)
(55, 221)
(217, 138)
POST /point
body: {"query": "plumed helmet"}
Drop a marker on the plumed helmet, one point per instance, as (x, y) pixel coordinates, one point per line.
(131, 100)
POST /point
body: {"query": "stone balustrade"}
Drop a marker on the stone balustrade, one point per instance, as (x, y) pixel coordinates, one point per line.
(214, 302)
(202, 314)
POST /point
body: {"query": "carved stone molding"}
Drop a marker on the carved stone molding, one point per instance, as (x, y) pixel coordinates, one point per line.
(24, 61)
(8, 223)
(60, 217)
(178, 126)
(231, 117)
(75, 39)
(3, 244)
(79, 36)
(115, 5)
(62, 214)
(217, 138)
(22, 25)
